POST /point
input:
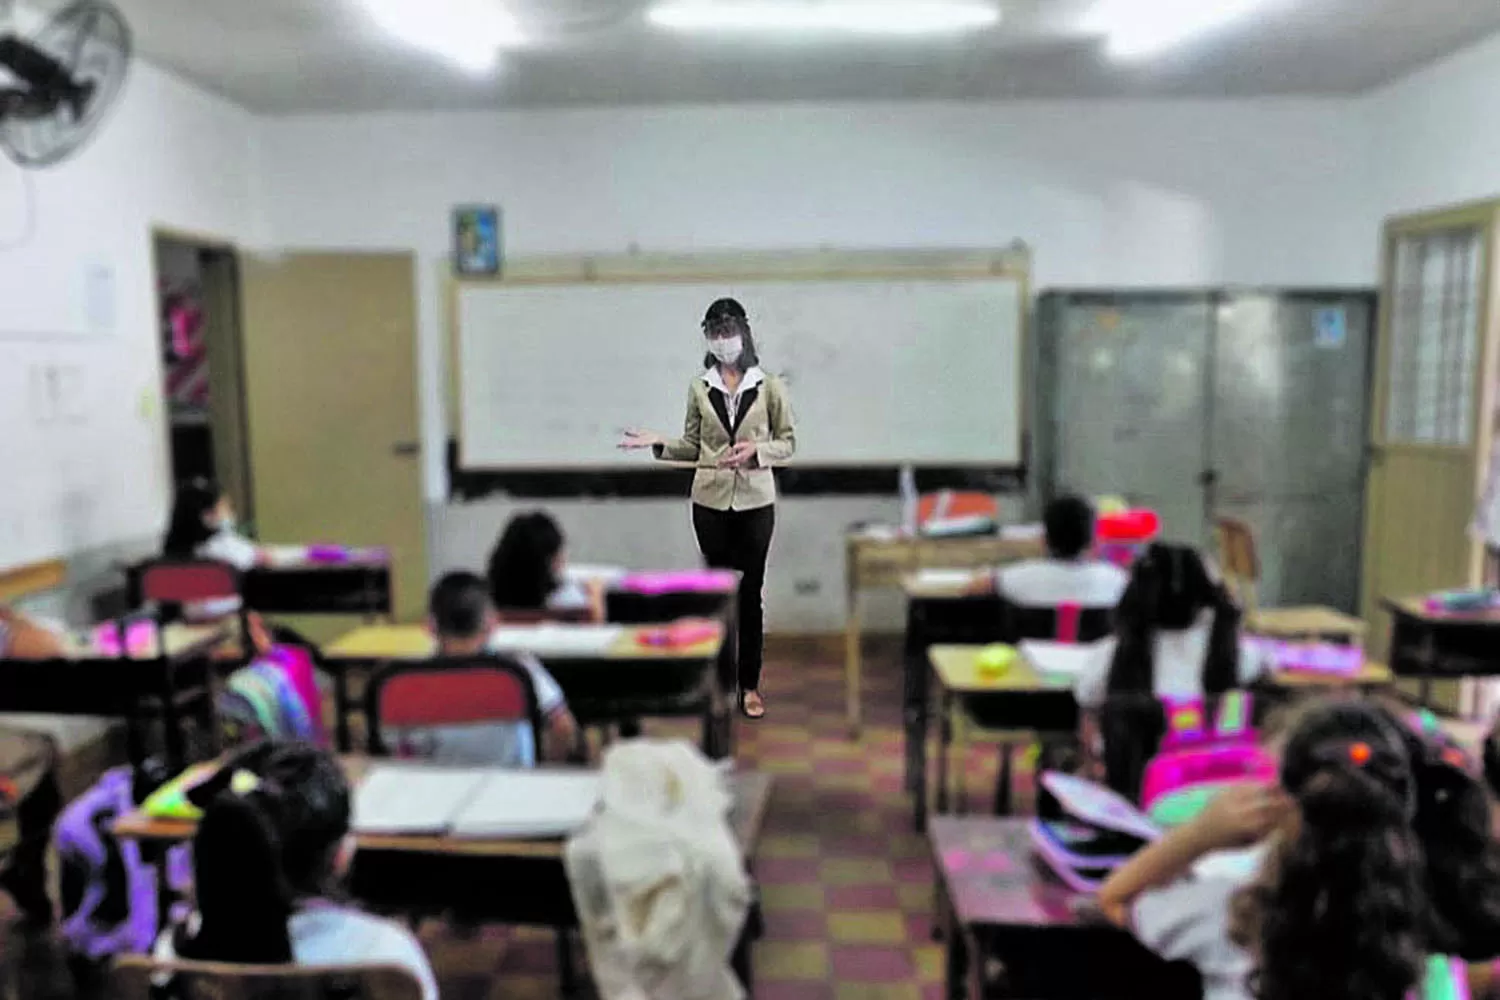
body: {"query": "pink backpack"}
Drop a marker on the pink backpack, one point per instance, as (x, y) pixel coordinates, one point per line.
(1195, 762)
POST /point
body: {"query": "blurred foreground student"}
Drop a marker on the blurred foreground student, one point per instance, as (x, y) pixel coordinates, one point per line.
(31, 781)
(266, 863)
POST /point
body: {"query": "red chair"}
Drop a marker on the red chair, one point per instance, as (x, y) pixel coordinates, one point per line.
(450, 692)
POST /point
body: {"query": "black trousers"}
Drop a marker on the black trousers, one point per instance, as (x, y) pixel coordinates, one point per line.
(741, 540)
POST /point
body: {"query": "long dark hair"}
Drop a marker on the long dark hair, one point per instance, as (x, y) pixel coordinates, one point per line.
(1390, 862)
(257, 855)
(1340, 911)
(521, 573)
(1169, 588)
(187, 530)
(727, 318)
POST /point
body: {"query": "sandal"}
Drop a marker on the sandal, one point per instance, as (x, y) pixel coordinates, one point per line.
(752, 705)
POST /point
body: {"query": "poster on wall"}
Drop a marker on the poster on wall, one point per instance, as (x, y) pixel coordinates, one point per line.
(476, 241)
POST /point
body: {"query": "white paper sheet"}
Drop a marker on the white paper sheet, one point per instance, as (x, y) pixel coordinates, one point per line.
(413, 799)
(588, 574)
(1022, 532)
(1060, 658)
(945, 577)
(526, 804)
(555, 640)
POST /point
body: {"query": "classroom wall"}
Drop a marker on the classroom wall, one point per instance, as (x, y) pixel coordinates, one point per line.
(1434, 139)
(97, 468)
(1106, 194)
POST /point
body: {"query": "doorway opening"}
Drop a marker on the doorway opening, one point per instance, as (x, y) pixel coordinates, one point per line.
(203, 369)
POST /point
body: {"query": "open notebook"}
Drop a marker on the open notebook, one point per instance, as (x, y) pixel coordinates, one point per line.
(402, 799)
(555, 640)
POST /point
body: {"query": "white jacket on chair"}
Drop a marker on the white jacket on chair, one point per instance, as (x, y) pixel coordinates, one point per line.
(657, 879)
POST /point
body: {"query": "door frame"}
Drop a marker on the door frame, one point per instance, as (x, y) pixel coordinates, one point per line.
(211, 243)
(1485, 216)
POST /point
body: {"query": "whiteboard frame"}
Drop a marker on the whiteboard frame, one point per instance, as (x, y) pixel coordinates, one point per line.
(1013, 263)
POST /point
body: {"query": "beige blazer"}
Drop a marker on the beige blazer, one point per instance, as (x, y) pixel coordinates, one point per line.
(765, 417)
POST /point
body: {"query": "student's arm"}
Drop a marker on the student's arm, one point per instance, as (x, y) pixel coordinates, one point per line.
(783, 443)
(685, 448)
(1237, 817)
(561, 728)
(26, 640)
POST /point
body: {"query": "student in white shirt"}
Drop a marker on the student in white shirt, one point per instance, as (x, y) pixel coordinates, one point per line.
(1176, 635)
(1069, 574)
(461, 617)
(528, 572)
(203, 527)
(264, 867)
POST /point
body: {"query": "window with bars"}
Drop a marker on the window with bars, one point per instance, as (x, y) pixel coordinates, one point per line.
(1434, 337)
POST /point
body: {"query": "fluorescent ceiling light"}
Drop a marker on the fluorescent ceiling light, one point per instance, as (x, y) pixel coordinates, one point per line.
(1139, 29)
(467, 32)
(866, 17)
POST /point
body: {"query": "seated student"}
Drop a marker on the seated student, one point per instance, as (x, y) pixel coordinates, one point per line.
(1378, 880)
(462, 619)
(1069, 574)
(1176, 635)
(265, 864)
(203, 527)
(527, 571)
(24, 873)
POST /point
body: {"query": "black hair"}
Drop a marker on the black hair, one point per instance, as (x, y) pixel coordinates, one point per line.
(727, 318)
(257, 855)
(521, 573)
(1169, 588)
(1069, 522)
(1340, 911)
(187, 530)
(458, 605)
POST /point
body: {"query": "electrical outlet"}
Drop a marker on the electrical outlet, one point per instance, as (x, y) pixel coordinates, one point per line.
(809, 587)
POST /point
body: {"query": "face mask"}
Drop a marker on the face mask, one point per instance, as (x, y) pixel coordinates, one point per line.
(727, 350)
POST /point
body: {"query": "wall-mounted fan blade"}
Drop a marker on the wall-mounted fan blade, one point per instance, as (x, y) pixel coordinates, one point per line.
(64, 81)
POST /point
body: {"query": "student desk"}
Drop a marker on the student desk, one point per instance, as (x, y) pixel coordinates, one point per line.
(884, 559)
(633, 607)
(520, 882)
(997, 904)
(91, 681)
(360, 585)
(1310, 623)
(1435, 645)
(1024, 700)
(627, 681)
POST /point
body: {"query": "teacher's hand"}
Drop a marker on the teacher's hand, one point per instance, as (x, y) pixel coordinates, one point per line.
(738, 456)
(636, 440)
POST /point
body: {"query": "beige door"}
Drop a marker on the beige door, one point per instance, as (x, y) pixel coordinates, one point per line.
(1426, 433)
(330, 358)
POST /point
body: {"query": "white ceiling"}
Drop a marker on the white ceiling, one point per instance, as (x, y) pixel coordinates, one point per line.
(287, 56)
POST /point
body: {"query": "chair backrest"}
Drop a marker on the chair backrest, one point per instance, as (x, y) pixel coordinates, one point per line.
(183, 581)
(135, 977)
(1238, 559)
(449, 692)
(1068, 623)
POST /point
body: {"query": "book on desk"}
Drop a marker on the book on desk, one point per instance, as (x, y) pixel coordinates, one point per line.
(480, 803)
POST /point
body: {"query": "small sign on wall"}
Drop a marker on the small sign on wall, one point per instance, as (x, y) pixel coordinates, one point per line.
(1330, 328)
(476, 240)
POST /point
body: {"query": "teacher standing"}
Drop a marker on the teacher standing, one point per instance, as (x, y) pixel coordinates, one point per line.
(739, 426)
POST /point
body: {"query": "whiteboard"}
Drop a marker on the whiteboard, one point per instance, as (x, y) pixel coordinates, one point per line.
(921, 371)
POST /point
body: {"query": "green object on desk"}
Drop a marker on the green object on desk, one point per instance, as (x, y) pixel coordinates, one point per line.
(997, 660)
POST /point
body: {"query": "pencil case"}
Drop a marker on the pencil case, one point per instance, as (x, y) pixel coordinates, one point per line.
(688, 632)
(683, 582)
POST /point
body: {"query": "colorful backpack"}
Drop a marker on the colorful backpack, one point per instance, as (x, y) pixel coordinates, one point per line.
(274, 698)
(108, 892)
(1195, 762)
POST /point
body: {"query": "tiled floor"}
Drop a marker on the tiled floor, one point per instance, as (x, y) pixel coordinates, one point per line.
(846, 884)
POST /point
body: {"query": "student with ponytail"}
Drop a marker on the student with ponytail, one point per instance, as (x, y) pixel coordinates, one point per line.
(265, 864)
(1378, 880)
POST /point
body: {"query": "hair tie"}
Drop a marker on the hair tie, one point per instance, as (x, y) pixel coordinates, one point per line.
(1360, 754)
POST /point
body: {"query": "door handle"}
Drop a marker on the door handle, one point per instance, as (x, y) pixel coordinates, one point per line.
(406, 449)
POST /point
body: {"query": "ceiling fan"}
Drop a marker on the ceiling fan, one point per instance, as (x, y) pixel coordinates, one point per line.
(58, 83)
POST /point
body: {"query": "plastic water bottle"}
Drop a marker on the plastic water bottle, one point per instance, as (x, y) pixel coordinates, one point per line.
(909, 500)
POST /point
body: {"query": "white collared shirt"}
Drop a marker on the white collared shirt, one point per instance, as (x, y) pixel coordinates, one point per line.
(752, 378)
